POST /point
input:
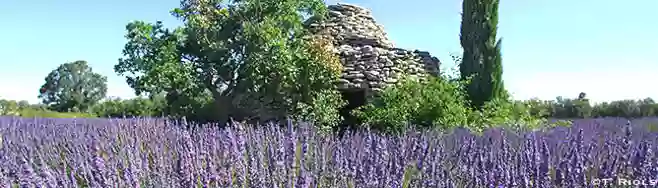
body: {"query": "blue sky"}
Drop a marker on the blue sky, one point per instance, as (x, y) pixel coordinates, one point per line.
(606, 48)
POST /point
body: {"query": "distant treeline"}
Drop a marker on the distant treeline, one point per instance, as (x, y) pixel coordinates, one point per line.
(567, 108)
(561, 108)
(112, 107)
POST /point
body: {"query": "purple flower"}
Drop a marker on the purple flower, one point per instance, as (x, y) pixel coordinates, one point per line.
(27, 177)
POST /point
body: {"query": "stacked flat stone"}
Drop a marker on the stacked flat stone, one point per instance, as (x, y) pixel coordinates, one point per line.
(370, 60)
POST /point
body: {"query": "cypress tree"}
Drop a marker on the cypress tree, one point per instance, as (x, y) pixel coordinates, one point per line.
(481, 60)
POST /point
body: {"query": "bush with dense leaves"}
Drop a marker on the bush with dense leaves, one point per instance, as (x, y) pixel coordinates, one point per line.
(135, 107)
(157, 153)
(440, 103)
(432, 103)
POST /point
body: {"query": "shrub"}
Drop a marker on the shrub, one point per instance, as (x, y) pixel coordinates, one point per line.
(434, 103)
(506, 113)
(136, 107)
(440, 103)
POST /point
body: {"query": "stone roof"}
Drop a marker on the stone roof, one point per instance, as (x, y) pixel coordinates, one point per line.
(370, 60)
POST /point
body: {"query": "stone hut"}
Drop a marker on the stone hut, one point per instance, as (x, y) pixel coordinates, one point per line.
(370, 61)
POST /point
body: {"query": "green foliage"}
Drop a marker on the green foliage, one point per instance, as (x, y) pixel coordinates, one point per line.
(9, 108)
(153, 65)
(565, 108)
(317, 99)
(570, 108)
(73, 87)
(434, 103)
(440, 103)
(505, 113)
(235, 59)
(324, 111)
(401, 104)
(25, 109)
(481, 60)
(627, 108)
(539, 108)
(136, 107)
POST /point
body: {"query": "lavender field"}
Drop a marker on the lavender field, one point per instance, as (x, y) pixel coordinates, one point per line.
(154, 153)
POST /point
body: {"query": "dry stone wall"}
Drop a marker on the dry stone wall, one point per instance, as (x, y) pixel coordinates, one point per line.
(370, 60)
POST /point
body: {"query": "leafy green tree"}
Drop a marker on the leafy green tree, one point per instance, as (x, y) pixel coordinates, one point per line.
(582, 107)
(626, 108)
(481, 59)
(539, 108)
(23, 104)
(602, 110)
(8, 107)
(569, 108)
(153, 64)
(237, 59)
(648, 107)
(73, 87)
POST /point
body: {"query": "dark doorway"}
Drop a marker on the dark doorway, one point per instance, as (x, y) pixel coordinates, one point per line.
(354, 99)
